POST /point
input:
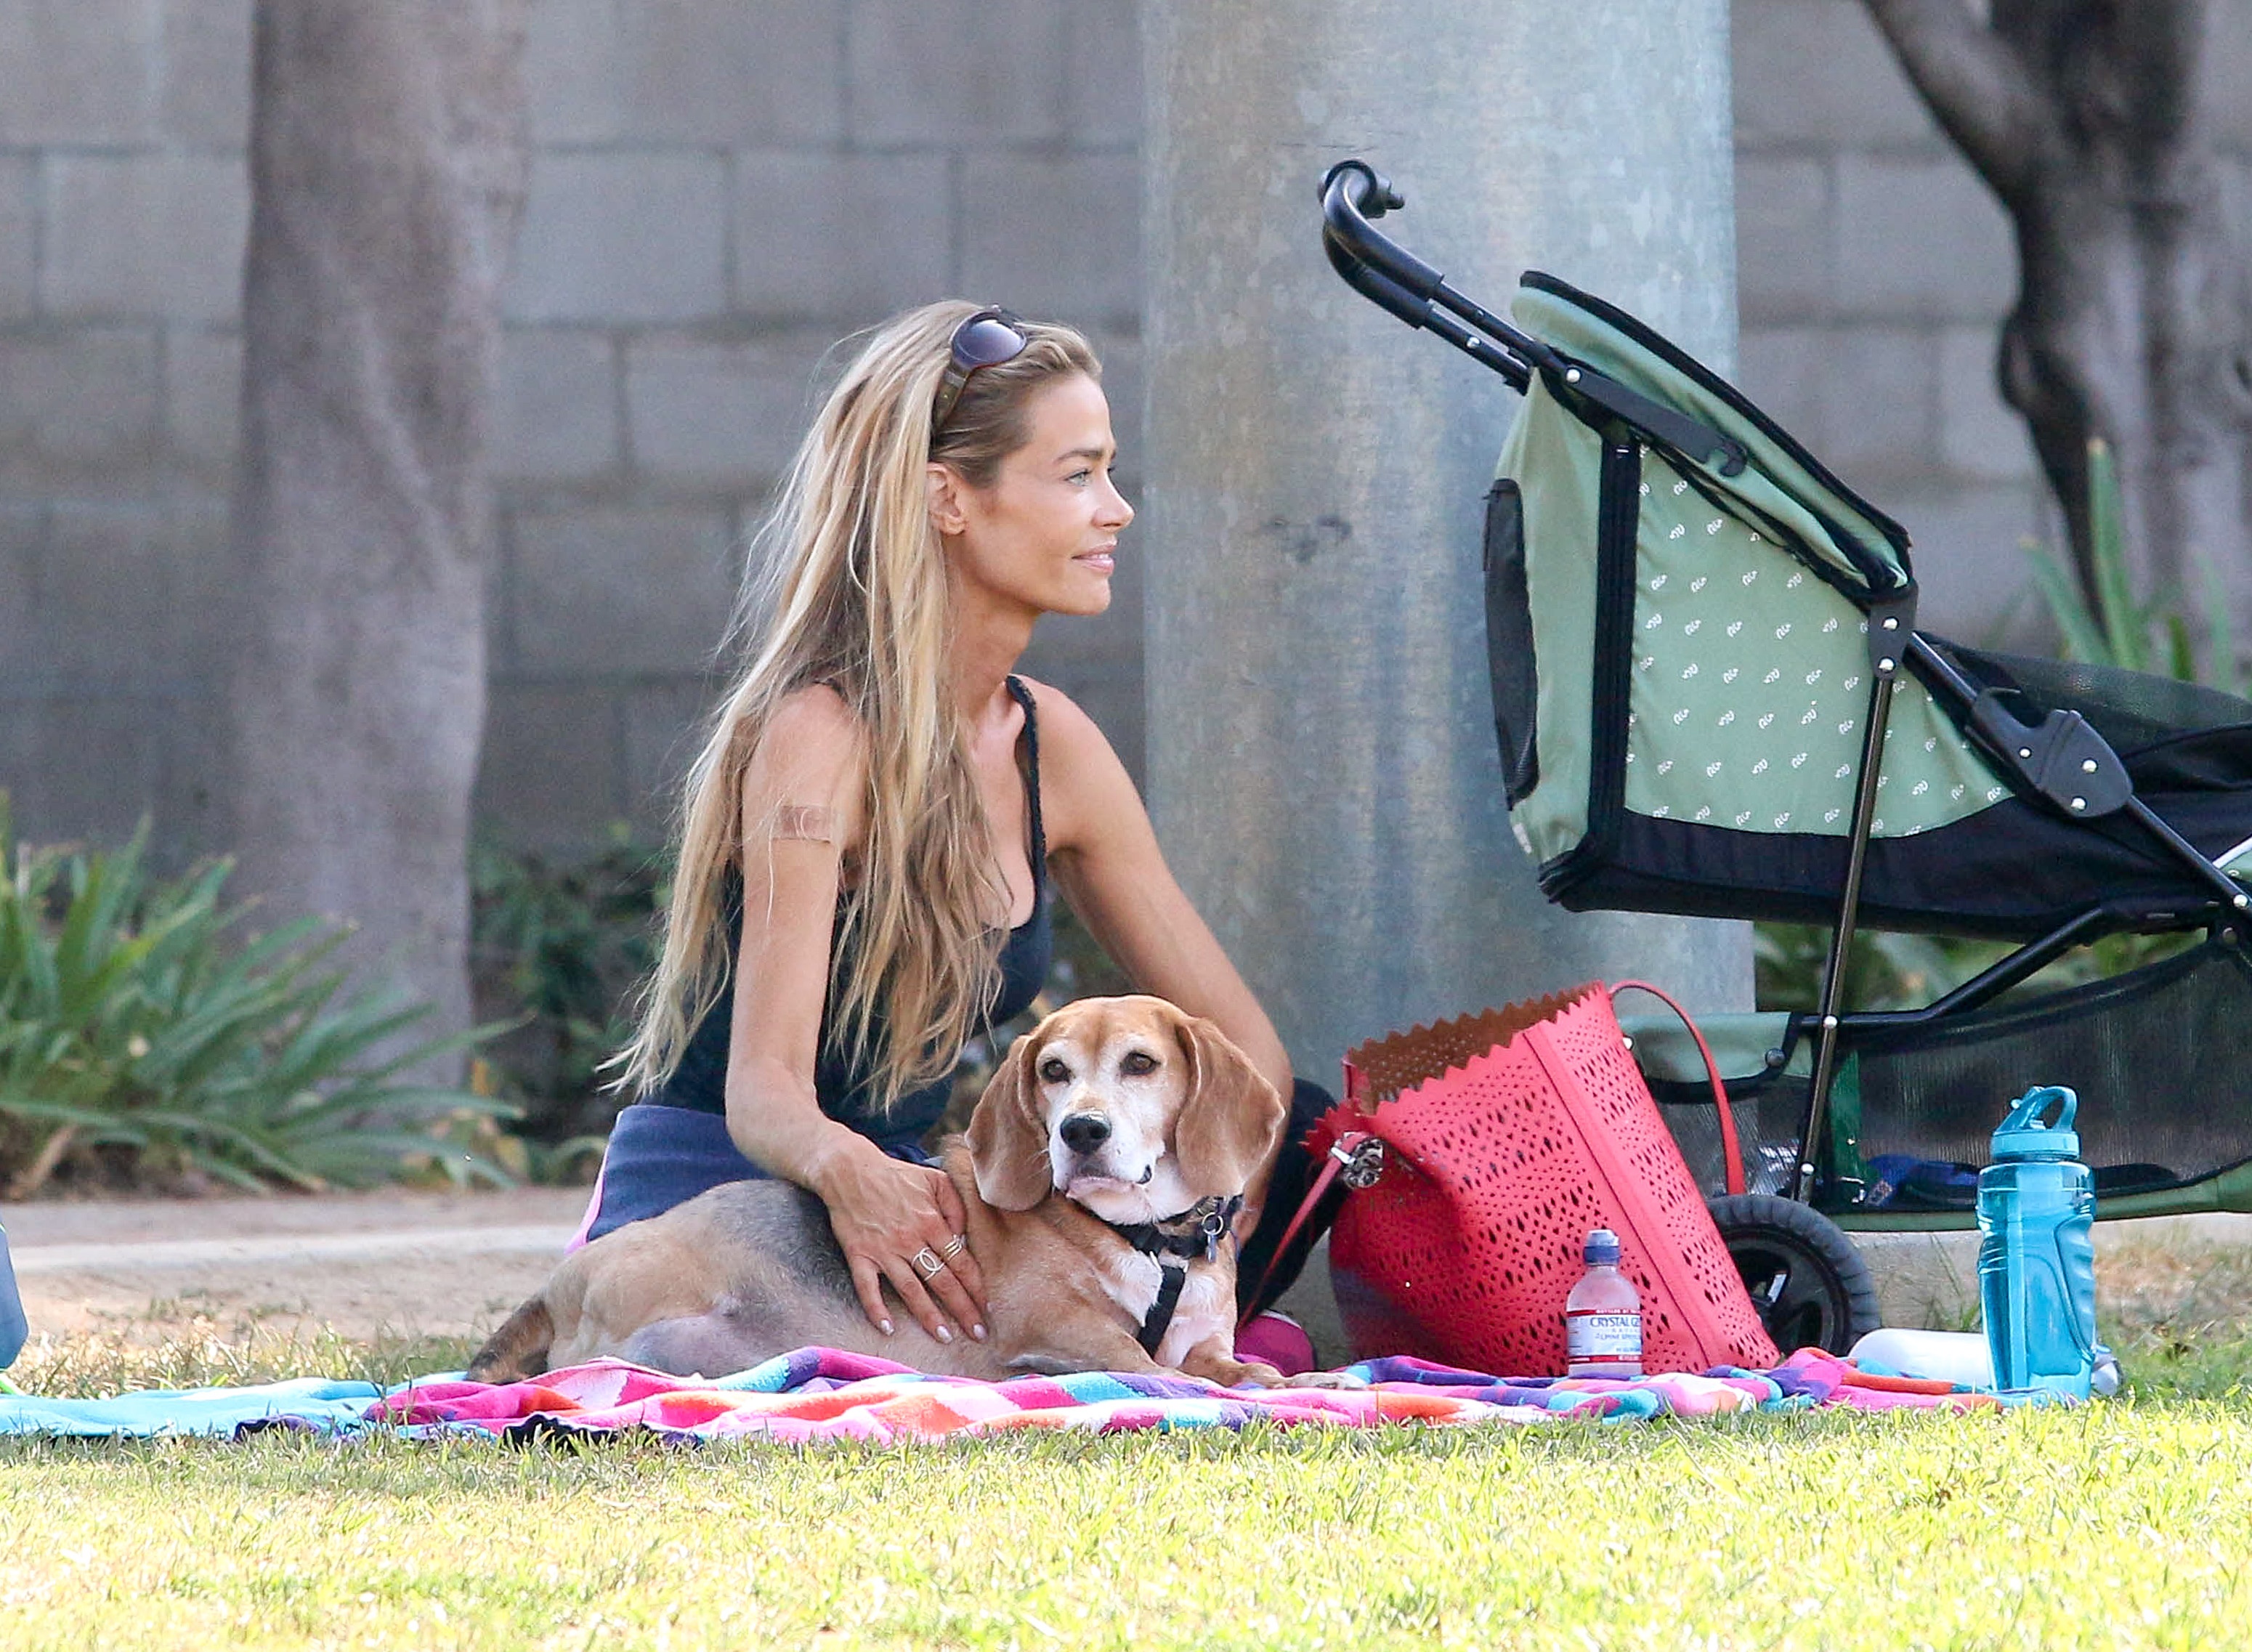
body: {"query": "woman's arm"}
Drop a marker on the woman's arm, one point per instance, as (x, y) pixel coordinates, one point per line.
(1105, 855)
(801, 813)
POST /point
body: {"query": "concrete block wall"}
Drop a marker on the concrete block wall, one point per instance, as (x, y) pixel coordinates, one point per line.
(123, 207)
(721, 191)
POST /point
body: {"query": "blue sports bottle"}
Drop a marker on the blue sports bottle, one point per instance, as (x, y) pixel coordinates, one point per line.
(2037, 1249)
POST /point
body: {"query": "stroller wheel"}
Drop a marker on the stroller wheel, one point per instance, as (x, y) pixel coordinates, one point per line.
(1810, 1286)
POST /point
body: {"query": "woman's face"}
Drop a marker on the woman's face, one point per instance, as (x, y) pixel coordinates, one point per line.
(1042, 538)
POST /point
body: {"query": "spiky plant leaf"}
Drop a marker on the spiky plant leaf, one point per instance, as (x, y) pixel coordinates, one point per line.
(136, 1013)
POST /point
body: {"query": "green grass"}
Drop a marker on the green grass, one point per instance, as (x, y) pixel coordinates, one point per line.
(2116, 1525)
(180, 1349)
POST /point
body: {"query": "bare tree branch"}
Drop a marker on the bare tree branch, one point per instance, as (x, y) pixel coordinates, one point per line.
(1977, 86)
(2133, 323)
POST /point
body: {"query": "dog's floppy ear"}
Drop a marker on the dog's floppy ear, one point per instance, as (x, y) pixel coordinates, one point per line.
(1008, 1132)
(1231, 1120)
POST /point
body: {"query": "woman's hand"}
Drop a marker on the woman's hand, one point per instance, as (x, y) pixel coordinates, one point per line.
(893, 1220)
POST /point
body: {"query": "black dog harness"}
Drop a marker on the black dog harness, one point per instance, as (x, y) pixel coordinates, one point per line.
(1194, 1235)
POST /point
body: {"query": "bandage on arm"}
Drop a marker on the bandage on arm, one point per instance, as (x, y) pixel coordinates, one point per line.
(805, 823)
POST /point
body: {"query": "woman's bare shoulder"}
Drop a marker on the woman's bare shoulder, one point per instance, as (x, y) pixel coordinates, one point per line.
(811, 750)
(1085, 789)
(814, 715)
(1065, 728)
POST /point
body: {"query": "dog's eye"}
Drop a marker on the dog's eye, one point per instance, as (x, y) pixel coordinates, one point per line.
(1054, 1071)
(1138, 1062)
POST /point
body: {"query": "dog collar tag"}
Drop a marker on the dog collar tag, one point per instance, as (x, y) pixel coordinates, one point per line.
(1218, 1213)
(1214, 1225)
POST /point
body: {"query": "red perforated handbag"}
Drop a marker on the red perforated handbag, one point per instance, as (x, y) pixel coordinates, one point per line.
(1479, 1152)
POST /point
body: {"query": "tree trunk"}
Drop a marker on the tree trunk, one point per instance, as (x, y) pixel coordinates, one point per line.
(2134, 316)
(389, 149)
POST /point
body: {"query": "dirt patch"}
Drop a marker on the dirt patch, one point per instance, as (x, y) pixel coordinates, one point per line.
(2193, 1271)
(373, 1265)
(2183, 1284)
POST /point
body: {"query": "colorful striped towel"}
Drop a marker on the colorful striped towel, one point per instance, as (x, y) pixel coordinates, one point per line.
(822, 1394)
(819, 1393)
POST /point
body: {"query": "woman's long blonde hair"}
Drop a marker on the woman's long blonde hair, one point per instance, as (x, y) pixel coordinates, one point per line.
(846, 584)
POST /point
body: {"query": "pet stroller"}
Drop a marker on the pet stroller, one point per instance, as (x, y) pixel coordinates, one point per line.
(1712, 700)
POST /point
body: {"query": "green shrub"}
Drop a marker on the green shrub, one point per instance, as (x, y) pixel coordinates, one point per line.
(560, 944)
(145, 1037)
(2112, 625)
(1886, 971)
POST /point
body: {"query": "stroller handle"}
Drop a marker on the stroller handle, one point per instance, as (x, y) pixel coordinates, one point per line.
(1388, 274)
(1379, 269)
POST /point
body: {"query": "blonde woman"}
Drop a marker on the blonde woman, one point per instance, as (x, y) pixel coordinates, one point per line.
(870, 831)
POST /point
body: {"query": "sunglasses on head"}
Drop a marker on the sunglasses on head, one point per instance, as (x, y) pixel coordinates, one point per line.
(985, 339)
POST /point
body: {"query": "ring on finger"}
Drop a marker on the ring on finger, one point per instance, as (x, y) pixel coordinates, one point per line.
(929, 1263)
(955, 1247)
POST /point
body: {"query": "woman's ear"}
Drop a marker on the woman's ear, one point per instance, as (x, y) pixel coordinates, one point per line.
(1231, 1120)
(943, 488)
(1008, 1134)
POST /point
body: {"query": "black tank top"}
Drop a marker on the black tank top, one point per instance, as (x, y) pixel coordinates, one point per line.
(846, 1088)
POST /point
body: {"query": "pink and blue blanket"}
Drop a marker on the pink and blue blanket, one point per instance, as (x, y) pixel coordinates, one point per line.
(819, 1393)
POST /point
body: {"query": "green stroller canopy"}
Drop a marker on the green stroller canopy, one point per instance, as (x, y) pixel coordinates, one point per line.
(1683, 633)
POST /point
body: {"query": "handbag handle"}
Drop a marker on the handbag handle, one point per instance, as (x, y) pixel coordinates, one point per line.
(1731, 1157)
(1339, 1158)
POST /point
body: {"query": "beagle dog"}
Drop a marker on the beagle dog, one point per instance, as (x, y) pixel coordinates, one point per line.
(1103, 1175)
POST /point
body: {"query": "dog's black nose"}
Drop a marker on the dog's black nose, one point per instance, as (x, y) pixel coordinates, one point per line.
(1084, 1132)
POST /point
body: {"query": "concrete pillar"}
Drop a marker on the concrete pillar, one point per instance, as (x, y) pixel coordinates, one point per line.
(1321, 754)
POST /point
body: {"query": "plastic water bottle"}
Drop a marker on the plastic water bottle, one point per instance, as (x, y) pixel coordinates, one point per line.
(2037, 1249)
(12, 1328)
(1603, 1316)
